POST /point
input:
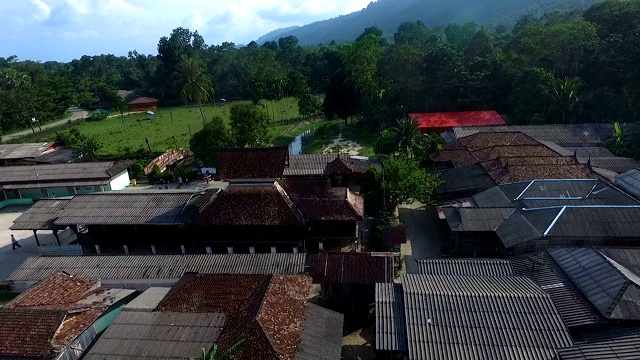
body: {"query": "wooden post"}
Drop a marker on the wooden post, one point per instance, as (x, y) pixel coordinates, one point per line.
(36, 235)
(55, 233)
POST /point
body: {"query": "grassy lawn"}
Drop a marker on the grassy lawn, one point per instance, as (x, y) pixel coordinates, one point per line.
(325, 134)
(121, 135)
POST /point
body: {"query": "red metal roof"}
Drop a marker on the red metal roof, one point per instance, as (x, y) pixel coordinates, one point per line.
(143, 100)
(459, 118)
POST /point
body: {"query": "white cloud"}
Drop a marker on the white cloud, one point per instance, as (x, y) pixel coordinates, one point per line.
(124, 25)
(43, 10)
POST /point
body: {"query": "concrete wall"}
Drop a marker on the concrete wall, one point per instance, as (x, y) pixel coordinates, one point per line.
(120, 181)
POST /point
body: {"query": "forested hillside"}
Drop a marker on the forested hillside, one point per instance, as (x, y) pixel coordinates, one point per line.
(556, 68)
(387, 15)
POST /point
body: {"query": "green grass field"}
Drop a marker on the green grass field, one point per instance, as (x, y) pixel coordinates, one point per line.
(122, 135)
(328, 131)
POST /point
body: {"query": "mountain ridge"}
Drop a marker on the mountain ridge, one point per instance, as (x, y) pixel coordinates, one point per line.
(389, 14)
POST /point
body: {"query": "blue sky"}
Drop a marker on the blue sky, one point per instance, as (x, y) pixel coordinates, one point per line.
(67, 29)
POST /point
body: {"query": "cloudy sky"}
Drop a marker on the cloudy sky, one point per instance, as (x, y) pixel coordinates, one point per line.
(66, 29)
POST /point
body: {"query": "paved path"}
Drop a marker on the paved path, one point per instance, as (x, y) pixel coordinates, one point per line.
(75, 115)
(11, 259)
(424, 234)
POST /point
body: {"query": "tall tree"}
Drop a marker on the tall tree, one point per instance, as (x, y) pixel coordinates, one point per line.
(404, 182)
(213, 135)
(249, 125)
(408, 138)
(194, 83)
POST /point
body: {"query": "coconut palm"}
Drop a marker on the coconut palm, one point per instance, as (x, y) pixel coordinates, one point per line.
(408, 137)
(565, 94)
(193, 82)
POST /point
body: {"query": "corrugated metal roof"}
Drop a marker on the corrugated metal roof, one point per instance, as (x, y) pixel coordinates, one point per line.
(321, 337)
(158, 266)
(23, 151)
(562, 134)
(390, 325)
(477, 219)
(493, 197)
(55, 172)
(158, 335)
(472, 178)
(604, 344)
(309, 164)
(41, 215)
(516, 230)
(604, 222)
(458, 118)
(465, 267)
(573, 307)
(148, 300)
(611, 288)
(612, 163)
(630, 182)
(463, 317)
(117, 208)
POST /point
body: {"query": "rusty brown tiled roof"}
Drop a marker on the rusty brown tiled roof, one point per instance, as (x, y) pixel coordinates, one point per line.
(252, 163)
(267, 311)
(26, 333)
(75, 323)
(58, 289)
(250, 205)
(351, 268)
(317, 200)
(339, 166)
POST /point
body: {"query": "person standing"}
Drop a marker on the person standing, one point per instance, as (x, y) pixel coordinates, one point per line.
(179, 182)
(14, 242)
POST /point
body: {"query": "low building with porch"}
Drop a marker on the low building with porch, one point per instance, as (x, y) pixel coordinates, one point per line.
(246, 217)
(143, 104)
(26, 184)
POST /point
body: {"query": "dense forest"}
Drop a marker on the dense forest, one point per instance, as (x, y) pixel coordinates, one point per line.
(387, 15)
(555, 68)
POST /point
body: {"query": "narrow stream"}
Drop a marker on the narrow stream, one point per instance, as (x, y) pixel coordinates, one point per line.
(295, 148)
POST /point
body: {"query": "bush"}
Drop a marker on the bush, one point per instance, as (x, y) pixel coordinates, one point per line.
(137, 170)
(168, 176)
(155, 175)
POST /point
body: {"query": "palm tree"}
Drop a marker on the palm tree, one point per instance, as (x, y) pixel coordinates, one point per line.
(89, 149)
(407, 133)
(566, 98)
(194, 83)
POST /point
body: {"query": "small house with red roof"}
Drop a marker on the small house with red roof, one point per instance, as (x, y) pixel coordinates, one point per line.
(143, 104)
(439, 122)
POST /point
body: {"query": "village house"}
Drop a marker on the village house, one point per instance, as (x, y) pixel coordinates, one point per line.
(35, 153)
(596, 291)
(269, 316)
(58, 318)
(303, 215)
(478, 161)
(141, 272)
(143, 104)
(350, 278)
(28, 183)
(448, 311)
(526, 216)
(436, 123)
